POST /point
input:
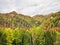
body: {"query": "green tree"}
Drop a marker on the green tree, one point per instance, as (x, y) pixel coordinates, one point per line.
(50, 37)
(57, 38)
(27, 38)
(18, 37)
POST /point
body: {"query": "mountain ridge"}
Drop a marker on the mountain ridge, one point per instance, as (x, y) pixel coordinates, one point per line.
(16, 20)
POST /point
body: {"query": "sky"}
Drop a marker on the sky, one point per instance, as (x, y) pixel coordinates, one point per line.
(30, 7)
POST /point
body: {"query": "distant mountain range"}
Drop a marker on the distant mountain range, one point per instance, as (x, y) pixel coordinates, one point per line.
(15, 20)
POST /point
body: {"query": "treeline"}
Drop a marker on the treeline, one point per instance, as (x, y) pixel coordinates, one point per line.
(29, 37)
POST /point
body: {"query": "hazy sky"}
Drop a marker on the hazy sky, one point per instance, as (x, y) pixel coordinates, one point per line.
(30, 7)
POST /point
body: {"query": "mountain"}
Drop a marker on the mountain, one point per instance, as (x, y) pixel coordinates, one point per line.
(14, 20)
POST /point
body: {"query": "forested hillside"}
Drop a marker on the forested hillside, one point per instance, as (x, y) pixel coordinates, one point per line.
(14, 20)
(19, 29)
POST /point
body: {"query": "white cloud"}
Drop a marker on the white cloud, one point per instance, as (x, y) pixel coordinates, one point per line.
(42, 7)
(30, 7)
(7, 5)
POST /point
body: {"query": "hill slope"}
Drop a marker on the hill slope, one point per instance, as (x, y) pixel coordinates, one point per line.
(15, 20)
